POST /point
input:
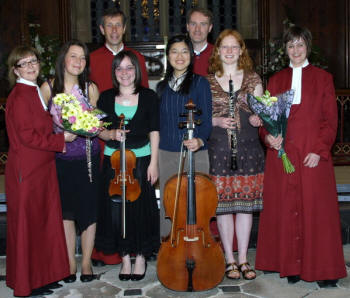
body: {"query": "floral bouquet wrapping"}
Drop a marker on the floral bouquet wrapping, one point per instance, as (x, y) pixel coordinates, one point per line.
(274, 112)
(76, 116)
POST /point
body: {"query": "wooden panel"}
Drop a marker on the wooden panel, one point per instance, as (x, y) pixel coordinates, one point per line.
(10, 36)
(329, 23)
(341, 148)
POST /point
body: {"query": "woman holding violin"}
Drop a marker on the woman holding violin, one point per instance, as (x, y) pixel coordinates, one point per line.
(179, 85)
(140, 109)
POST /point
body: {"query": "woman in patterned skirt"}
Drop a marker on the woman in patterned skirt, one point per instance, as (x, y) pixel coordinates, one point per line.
(240, 189)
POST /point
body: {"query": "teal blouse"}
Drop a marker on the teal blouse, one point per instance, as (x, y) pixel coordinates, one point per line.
(129, 112)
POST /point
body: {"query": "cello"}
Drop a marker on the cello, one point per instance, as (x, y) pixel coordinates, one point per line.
(123, 187)
(190, 259)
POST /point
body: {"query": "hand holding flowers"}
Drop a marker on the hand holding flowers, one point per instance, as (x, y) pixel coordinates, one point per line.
(255, 121)
(69, 137)
(274, 112)
(76, 116)
(274, 142)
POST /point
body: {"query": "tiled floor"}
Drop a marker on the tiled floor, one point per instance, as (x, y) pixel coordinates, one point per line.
(265, 285)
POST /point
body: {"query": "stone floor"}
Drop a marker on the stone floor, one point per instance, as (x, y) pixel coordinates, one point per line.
(265, 285)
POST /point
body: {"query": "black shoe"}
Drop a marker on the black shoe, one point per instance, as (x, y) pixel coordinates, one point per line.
(87, 277)
(53, 285)
(137, 277)
(97, 263)
(71, 278)
(124, 277)
(330, 283)
(293, 279)
(40, 292)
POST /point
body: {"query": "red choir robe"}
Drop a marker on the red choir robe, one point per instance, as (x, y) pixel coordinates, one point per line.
(299, 229)
(201, 61)
(36, 247)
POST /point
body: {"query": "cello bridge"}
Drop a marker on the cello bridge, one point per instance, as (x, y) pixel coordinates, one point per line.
(192, 239)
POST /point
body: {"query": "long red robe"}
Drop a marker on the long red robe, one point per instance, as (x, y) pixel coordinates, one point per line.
(299, 230)
(36, 247)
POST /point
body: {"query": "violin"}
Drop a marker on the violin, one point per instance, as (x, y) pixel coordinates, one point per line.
(124, 187)
(190, 259)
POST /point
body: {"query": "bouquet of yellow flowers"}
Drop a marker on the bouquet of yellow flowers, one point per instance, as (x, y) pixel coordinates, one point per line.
(78, 117)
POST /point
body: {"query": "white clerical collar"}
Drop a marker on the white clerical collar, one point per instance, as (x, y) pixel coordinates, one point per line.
(306, 63)
(296, 81)
(113, 52)
(26, 82)
(201, 50)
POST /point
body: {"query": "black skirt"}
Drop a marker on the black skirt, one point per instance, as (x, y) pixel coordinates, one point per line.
(142, 216)
(79, 196)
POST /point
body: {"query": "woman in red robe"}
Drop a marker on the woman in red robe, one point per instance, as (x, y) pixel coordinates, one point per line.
(299, 230)
(36, 248)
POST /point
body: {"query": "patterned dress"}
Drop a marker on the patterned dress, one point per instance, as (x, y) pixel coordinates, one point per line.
(240, 190)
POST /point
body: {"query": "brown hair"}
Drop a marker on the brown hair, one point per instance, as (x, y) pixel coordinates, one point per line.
(17, 54)
(113, 12)
(203, 11)
(244, 61)
(295, 33)
(135, 62)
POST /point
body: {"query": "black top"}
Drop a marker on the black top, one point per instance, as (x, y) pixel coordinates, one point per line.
(145, 120)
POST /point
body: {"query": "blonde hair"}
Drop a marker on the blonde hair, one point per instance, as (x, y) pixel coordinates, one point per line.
(17, 54)
(244, 61)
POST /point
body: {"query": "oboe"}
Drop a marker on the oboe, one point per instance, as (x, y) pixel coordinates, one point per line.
(232, 132)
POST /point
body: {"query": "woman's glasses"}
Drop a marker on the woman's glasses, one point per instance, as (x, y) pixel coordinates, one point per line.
(26, 64)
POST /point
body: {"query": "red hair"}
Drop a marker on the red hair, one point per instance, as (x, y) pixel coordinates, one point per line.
(244, 61)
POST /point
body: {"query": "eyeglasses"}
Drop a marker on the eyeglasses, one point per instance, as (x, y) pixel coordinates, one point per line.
(26, 64)
(128, 69)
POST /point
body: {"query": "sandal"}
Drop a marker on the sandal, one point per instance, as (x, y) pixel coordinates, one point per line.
(234, 269)
(246, 271)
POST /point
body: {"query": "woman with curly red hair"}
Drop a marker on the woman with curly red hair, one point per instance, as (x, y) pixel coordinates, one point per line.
(239, 183)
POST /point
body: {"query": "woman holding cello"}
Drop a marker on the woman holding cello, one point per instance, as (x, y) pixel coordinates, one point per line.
(189, 259)
(140, 108)
(179, 85)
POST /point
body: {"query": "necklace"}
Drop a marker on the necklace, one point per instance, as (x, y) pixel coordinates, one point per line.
(126, 101)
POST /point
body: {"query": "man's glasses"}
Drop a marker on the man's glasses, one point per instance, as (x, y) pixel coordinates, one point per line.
(26, 64)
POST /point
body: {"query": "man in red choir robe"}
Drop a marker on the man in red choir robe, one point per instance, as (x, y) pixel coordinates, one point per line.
(199, 25)
(113, 25)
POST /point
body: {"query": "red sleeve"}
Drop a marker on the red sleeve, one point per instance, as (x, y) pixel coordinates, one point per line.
(30, 134)
(329, 121)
